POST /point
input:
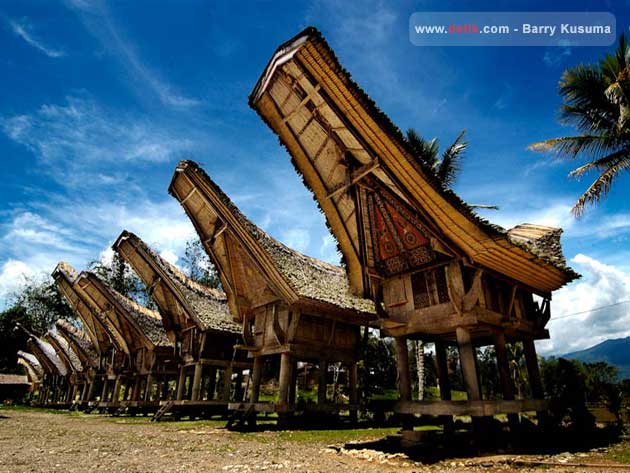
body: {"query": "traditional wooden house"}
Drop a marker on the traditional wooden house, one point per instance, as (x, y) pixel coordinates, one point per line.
(75, 377)
(34, 373)
(13, 387)
(112, 359)
(197, 321)
(436, 270)
(55, 391)
(138, 330)
(81, 345)
(288, 304)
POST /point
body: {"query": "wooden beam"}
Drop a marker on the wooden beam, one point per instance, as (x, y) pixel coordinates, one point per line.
(355, 177)
(467, 358)
(469, 408)
(256, 377)
(285, 376)
(277, 328)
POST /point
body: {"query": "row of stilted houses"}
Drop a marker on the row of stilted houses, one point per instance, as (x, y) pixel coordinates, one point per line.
(418, 264)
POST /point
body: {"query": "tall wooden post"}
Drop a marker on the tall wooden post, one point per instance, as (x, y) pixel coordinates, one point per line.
(293, 385)
(116, 393)
(286, 365)
(321, 384)
(212, 382)
(443, 382)
(507, 385)
(90, 393)
(165, 388)
(135, 391)
(197, 382)
(533, 374)
(353, 388)
(181, 383)
(467, 358)
(104, 390)
(404, 383)
(126, 390)
(256, 378)
(84, 391)
(149, 388)
(238, 391)
(227, 383)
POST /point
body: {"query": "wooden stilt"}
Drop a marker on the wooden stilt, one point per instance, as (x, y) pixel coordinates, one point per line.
(196, 388)
(149, 388)
(84, 391)
(181, 383)
(212, 382)
(286, 365)
(90, 393)
(467, 359)
(227, 383)
(404, 383)
(444, 382)
(256, 378)
(126, 390)
(238, 392)
(293, 385)
(353, 388)
(507, 385)
(105, 389)
(165, 388)
(321, 385)
(135, 392)
(116, 392)
(533, 374)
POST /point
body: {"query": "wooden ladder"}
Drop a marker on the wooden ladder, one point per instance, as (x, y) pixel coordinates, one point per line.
(162, 411)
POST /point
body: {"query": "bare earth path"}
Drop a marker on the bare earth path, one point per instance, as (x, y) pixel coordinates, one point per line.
(40, 441)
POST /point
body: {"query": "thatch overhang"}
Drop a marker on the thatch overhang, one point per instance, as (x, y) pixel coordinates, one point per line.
(135, 326)
(79, 341)
(265, 269)
(343, 145)
(95, 326)
(47, 356)
(182, 302)
(32, 366)
(64, 351)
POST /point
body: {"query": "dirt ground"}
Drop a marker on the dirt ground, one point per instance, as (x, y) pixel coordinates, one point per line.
(40, 441)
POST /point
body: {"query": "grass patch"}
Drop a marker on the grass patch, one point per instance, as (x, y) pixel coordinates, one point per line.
(621, 452)
(335, 436)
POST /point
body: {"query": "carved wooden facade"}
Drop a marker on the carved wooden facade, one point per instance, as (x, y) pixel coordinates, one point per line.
(286, 303)
(197, 320)
(440, 273)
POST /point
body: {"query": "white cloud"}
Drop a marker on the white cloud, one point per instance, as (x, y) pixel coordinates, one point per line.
(23, 30)
(602, 286)
(169, 256)
(80, 141)
(13, 274)
(100, 23)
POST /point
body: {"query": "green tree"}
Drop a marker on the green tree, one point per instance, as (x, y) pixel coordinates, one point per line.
(597, 103)
(198, 266)
(12, 339)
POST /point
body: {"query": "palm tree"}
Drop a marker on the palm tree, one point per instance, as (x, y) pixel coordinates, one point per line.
(597, 102)
(446, 168)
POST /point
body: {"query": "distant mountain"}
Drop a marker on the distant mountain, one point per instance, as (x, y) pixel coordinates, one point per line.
(615, 352)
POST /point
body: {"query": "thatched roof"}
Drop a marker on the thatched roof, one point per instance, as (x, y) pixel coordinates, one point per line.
(146, 322)
(30, 362)
(47, 356)
(96, 326)
(207, 307)
(356, 125)
(13, 379)
(539, 239)
(307, 277)
(79, 341)
(65, 351)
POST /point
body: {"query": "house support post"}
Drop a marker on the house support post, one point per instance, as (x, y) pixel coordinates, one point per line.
(256, 377)
(444, 383)
(286, 375)
(227, 383)
(293, 385)
(353, 388)
(181, 383)
(321, 383)
(90, 393)
(197, 377)
(116, 393)
(135, 392)
(212, 382)
(404, 384)
(149, 388)
(507, 384)
(104, 390)
(533, 374)
(468, 360)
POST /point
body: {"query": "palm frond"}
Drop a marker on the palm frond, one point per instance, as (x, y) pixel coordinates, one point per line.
(423, 150)
(571, 146)
(601, 163)
(600, 187)
(450, 164)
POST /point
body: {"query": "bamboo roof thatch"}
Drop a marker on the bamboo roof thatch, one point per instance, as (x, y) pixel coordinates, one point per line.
(64, 351)
(79, 341)
(96, 326)
(134, 325)
(337, 136)
(291, 276)
(32, 366)
(47, 356)
(176, 294)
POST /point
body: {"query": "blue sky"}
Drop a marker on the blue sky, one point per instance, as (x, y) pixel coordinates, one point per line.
(99, 100)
